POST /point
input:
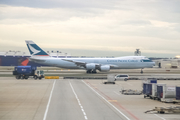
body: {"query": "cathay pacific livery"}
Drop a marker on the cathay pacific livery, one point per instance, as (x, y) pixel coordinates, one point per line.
(89, 64)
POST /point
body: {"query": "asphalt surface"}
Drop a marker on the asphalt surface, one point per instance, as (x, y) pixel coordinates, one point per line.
(65, 106)
(66, 99)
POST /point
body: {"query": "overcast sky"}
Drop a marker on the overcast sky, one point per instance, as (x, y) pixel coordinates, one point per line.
(92, 27)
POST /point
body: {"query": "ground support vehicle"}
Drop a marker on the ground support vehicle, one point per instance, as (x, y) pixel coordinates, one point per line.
(110, 79)
(122, 77)
(166, 93)
(162, 110)
(177, 99)
(131, 92)
(23, 72)
(154, 90)
(39, 74)
(147, 87)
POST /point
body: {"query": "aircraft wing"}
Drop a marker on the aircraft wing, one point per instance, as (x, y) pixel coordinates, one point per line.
(78, 63)
(83, 64)
(113, 66)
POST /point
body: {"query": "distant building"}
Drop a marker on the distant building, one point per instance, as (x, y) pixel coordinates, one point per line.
(18, 58)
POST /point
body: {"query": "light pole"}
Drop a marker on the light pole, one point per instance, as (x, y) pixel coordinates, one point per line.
(23, 54)
(15, 53)
(57, 53)
(5, 54)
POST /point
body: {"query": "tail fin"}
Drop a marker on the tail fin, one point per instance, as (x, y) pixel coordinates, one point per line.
(35, 49)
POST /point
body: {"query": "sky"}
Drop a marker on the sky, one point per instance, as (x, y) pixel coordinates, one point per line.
(92, 27)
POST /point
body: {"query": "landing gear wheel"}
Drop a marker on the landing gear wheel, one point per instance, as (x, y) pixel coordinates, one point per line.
(17, 77)
(35, 77)
(93, 71)
(88, 71)
(22, 77)
(26, 77)
(161, 112)
(141, 71)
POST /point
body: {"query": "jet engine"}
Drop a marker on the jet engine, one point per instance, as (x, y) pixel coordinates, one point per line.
(105, 68)
(90, 66)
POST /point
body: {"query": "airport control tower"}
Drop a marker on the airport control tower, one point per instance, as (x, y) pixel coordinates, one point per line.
(137, 52)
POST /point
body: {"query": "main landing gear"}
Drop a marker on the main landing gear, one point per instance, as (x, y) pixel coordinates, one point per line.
(91, 71)
(141, 71)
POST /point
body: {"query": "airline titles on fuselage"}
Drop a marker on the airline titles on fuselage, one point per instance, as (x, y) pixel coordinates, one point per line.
(122, 60)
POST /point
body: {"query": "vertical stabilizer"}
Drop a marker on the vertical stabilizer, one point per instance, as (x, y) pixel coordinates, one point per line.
(35, 49)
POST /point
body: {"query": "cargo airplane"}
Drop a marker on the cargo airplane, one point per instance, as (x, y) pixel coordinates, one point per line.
(89, 64)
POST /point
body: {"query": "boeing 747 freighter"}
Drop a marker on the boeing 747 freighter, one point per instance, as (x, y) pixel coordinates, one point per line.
(89, 64)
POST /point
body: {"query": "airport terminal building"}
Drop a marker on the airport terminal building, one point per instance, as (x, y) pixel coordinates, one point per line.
(21, 58)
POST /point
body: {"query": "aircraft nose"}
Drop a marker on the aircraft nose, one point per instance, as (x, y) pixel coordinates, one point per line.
(153, 63)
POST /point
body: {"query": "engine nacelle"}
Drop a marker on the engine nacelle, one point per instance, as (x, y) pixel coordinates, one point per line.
(105, 68)
(90, 66)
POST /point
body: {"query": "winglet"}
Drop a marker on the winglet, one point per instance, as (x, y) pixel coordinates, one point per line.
(35, 49)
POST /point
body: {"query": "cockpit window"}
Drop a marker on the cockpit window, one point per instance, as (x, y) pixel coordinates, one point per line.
(147, 60)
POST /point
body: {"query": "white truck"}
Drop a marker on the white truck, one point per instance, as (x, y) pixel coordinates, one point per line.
(110, 79)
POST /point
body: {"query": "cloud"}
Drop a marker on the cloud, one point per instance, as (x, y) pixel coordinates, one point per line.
(61, 3)
(118, 25)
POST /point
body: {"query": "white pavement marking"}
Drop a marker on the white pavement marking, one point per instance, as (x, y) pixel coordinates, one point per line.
(78, 101)
(47, 107)
(160, 117)
(116, 93)
(106, 100)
